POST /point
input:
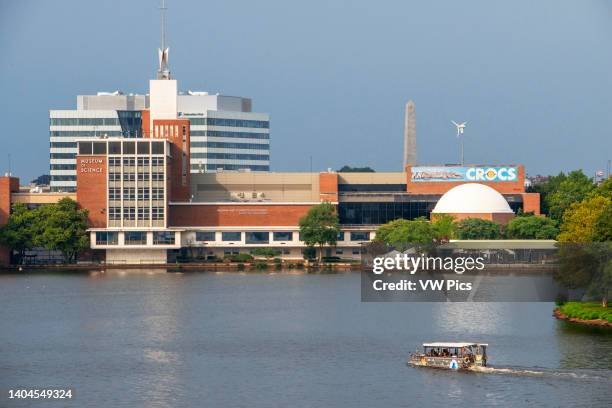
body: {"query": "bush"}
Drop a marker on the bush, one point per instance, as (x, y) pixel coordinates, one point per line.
(586, 311)
(475, 228)
(238, 257)
(260, 265)
(265, 252)
(532, 227)
(331, 259)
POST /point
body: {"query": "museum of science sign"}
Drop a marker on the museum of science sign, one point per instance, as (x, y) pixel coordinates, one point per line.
(433, 174)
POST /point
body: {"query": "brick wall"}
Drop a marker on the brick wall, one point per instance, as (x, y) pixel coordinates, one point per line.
(531, 203)
(92, 188)
(172, 130)
(328, 187)
(236, 215)
(8, 185)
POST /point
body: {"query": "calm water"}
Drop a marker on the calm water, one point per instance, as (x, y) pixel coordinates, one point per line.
(235, 340)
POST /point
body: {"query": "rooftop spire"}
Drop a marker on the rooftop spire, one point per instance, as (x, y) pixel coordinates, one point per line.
(163, 72)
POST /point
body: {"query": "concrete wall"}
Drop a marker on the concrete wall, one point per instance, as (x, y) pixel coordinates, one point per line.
(136, 256)
(275, 187)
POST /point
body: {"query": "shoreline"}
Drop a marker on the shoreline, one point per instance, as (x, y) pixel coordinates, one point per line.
(593, 323)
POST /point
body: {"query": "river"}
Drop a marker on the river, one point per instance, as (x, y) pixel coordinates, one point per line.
(157, 339)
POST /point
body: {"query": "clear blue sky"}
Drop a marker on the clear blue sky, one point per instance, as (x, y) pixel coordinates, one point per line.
(533, 78)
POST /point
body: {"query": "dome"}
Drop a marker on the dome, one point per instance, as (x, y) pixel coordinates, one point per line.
(472, 198)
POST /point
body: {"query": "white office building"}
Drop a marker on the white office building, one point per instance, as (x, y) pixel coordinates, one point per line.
(225, 134)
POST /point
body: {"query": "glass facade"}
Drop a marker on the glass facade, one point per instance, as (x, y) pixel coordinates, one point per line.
(373, 213)
(107, 238)
(231, 236)
(282, 236)
(204, 236)
(135, 238)
(257, 237)
(163, 238)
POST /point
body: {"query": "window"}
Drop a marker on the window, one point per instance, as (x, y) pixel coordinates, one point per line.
(129, 161)
(203, 236)
(157, 176)
(157, 213)
(114, 176)
(157, 193)
(257, 237)
(231, 252)
(143, 176)
(157, 147)
(143, 213)
(283, 236)
(360, 236)
(339, 251)
(85, 148)
(107, 238)
(114, 161)
(135, 238)
(340, 236)
(114, 193)
(129, 176)
(129, 193)
(129, 148)
(143, 148)
(163, 238)
(129, 213)
(231, 236)
(114, 147)
(356, 251)
(157, 161)
(143, 161)
(114, 213)
(99, 148)
(143, 193)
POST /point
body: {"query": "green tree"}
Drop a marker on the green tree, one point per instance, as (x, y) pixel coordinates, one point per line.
(476, 228)
(579, 219)
(574, 188)
(407, 233)
(602, 229)
(444, 226)
(320, 226)
(545, 188)
(18, 233)
(532, 227)
(63, 227)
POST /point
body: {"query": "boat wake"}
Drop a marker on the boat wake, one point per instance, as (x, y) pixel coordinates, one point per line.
(546, 373)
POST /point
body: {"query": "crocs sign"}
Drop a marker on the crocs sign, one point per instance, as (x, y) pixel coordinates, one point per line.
(462, 174)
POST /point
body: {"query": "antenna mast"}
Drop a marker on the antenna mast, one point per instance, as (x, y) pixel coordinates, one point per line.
(164, 71)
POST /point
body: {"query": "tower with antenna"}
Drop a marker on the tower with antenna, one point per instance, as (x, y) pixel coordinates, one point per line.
(163, 72)
(460, 129)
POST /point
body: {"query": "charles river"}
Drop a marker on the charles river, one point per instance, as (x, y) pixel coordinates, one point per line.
(157, 339)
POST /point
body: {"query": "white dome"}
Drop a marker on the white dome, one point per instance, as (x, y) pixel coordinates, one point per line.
(472, 198)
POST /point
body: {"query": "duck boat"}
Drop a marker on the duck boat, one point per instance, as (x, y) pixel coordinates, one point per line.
(450, 356)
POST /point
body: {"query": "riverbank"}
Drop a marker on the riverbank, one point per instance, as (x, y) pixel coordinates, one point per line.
(585, 313)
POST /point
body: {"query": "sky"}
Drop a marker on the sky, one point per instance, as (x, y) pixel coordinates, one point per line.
(533, 79)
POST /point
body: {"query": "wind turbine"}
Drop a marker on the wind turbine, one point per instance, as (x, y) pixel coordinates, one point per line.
(460, 129)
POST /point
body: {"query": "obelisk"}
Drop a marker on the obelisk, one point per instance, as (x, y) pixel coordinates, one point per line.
(410, 154)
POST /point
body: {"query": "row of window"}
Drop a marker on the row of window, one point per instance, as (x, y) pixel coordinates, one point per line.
(141, 147)
(130, 213)
(221, 133)
(230, 156)
(263, 237)
(222, 145)
(132, 161)
(129, 193)
(156, 176)
(84, 122)
(215, 167)
(263, 124)
(135, 238)
(63, 167)
(55, 177)
(85, 133)
(63, 145)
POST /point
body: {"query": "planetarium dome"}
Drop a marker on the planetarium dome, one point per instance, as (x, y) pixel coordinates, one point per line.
(472, 198)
